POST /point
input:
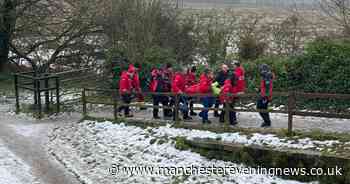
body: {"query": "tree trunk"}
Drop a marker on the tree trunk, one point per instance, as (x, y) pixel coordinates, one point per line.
(7, 23)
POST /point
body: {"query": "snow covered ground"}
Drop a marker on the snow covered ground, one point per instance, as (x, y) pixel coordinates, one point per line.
(13, 170)
(90, 149)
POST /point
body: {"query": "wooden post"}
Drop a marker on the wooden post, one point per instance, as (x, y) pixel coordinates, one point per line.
(227, 114)
(177, 104)
(291, 107)
(35, 87)
(115, 105)
(38, 91)
(84, 102)
(17, 94)
(57, 95)
(47, 93)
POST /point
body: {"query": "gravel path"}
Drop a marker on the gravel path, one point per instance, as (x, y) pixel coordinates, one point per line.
(251, 120)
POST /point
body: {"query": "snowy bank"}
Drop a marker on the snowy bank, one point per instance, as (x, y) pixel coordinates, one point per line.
(90, 149)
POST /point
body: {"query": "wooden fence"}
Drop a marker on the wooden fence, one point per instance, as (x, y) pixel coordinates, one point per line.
(37, 84)
(291, 110)
(54, 86)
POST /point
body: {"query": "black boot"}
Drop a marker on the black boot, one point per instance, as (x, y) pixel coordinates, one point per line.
(216, 114)
(266, 124)
(222, 117)
(192, 113)
(187, 117)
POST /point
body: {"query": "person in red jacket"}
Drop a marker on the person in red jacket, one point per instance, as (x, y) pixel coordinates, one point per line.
(204, 87)
(158, 85)
(126, 89)
(178, 87)
(239, 72)
(227, 97)
(265, 95)
(190, 81)
(136, 83)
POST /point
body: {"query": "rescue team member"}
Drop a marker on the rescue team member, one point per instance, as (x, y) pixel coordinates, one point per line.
(137, 85)
(126, 88)
(158, 84)
(178, 87)
(220, 78)
(190, 81)
(205, 82)
(240, 76)
(265, 93)
(227, 97)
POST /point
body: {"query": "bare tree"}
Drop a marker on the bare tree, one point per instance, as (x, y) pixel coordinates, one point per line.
(215, 32)
(339, 12)
(288, 36)
(135, 26)
(51, 31)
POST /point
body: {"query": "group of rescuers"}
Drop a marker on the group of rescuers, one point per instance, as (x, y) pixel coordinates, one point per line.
(224, 88)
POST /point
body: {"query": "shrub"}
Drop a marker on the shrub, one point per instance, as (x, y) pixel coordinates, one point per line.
(324, 67)
(249, 48)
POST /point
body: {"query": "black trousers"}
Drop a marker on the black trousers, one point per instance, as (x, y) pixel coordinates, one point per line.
(164, 100)
(217, 104)
(191, 103)
(183, 107)
(126, 99)
(263, 104)
(232, 114)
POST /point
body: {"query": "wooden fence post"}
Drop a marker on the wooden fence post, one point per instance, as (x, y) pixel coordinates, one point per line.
(115, 105)
(291, 108)
(35, 87)
(47, 93)
(38, 91)
(84, 102)
(57, 95)
(227, 114)
(177, 104)
(17, 94)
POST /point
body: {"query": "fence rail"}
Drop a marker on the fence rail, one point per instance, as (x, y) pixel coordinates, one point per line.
(291, 110)
(37, 84)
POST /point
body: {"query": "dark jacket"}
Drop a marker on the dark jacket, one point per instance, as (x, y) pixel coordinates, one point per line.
(221, 77)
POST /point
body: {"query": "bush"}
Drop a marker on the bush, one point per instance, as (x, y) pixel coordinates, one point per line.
(250, 48)
(324, 67)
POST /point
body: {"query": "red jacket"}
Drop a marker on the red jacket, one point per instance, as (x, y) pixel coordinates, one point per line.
(192, 89)
(154, 81)
(204, 84)
(136, 83)
(266, 89)
(135, 80)
(125, 83)
(190, 79)
(178, 83)
(239, 72)
(226, 90)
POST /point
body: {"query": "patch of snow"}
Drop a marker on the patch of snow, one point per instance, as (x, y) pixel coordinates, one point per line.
(90, 149)
(13, 170)
(256, 138)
